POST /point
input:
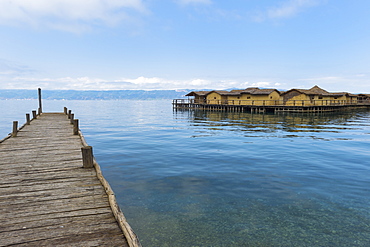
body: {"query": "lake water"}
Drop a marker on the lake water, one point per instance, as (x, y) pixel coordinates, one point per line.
(198, 178)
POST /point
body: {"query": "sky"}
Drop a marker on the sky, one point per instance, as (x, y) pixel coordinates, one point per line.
(185, 44)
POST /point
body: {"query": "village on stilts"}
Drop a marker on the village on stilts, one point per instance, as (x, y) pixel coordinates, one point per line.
(256, 100)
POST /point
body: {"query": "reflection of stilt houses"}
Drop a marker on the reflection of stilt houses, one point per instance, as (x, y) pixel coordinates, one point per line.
(255, 99)
(242, 119)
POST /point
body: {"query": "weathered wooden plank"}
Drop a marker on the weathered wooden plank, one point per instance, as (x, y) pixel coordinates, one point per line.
(15, 169)
(50, 179)
(51, 207)
(30, 153)
(85, 239)
(43, 183)
(54, 221)
(13, 192)
(9, 162)
(72, 184)
(76, 172)
(49, 223)
(75, 228)
(48, 195)
(56, 215)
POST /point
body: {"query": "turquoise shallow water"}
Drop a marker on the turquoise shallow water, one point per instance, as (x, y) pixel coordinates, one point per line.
(195, 178)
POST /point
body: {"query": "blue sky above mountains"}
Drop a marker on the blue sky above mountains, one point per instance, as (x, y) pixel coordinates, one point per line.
(176, 44)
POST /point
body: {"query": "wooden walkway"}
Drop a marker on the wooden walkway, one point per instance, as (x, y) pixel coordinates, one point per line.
(46, 197)
(187, 104)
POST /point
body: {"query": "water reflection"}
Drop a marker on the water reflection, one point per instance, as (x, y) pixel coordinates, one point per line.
(283, 125)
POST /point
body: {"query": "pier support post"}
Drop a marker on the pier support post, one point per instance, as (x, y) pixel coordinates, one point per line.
(65, 110)
(28, 120)
(34, 115)
(87, 157)
(69, 114)
(75, 127)
(15, 128)
(40, 104)
(72, 118)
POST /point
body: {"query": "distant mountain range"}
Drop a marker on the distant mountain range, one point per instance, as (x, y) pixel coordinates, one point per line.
(92, 95)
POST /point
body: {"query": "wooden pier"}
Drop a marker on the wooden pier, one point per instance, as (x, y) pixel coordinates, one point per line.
(299, 107)
(47, 197)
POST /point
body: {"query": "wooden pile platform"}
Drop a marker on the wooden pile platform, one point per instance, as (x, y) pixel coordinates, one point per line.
(46, 197)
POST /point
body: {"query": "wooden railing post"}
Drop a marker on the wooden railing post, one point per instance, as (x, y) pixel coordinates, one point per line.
(28, 121)
(69, 114)
(34, 115)
(15, 128)
(65, 110)
(72, 117)
(87, 157)
(40, 104)
(75, 127)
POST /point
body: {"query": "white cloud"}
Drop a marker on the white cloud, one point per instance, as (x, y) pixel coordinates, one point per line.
(185, 2)
(71, 15)
(261, 84)
(349, 83)
(139, 83)
(287, 9)
(142, 80)
(199, 82)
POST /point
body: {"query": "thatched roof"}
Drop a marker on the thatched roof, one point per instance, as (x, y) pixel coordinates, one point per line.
(250, 90)
(258, 91)
(254, 91)
(316, 90)
(354, 95)
(199, 93)
(220, 92)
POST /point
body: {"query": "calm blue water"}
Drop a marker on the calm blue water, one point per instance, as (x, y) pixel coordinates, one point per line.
(195, 178)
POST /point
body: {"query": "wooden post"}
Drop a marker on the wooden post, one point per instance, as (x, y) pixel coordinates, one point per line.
(28, 121)
(75, 127)
(39, 111)
(34, 114)
(87, 157)
(69, 114)
(65, 110)
(15, 128)
(72, 117)
(40, 103)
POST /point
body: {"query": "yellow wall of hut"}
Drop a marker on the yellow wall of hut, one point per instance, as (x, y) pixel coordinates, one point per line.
(215, 98)
(243, 99)
(274, 98)
(317, 100)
